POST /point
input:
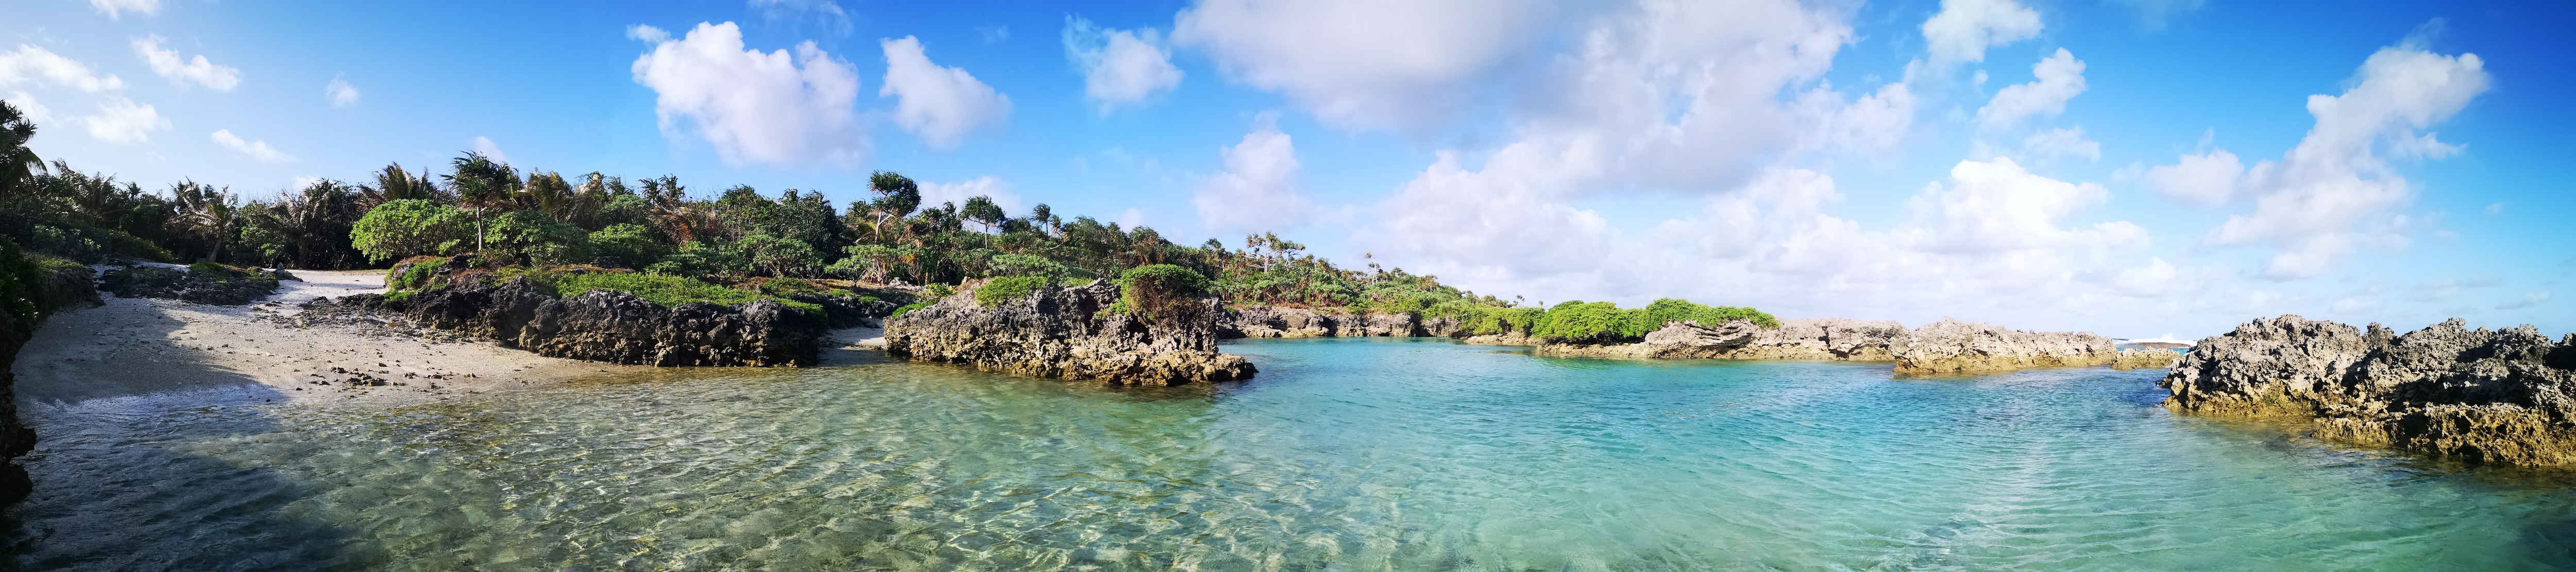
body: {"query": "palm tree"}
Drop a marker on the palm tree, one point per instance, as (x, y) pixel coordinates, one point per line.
(18, 164)
(981, 209)
(482, 184)
(205, 211)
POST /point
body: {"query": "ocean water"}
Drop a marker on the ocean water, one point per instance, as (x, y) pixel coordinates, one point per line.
(1370, 454)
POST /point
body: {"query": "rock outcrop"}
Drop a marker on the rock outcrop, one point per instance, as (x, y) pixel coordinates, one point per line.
(607, 326)
(1282, 322)
(2146, 358)
(1951, 347)
(1070, 333)
(203, 283)
(2492, 396)
(1946, 347)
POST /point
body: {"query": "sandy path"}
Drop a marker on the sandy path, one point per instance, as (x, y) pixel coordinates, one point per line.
(135, 346)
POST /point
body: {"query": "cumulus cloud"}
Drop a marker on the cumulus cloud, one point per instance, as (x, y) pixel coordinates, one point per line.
(987, 186)
(754, 107)
(1997, 206)
(644, 33)
(1119, 66)
(940, 105)
(185, 72)
(1963, 29)
(120, 120)
(251, 149)
(485, 146)
(2333, 192)
(31, 109)
(2056, 79)
(38, 66)
(1362, 64)
(117, 8)
(2207, 179)
(340, 93)
(2062, 142)
(1257, 191)
(1874, 123)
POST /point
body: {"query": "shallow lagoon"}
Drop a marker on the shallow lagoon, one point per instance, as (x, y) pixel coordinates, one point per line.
(1369, 454)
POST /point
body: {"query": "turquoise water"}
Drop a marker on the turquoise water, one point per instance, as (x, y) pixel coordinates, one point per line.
(1342, 455)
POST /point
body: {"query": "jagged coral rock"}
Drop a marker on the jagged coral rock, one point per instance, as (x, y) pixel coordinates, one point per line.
(1953, 347)
(1069, 333)
(2146, 358)
(2494, 396)
(1676, 340)
(1284, 322)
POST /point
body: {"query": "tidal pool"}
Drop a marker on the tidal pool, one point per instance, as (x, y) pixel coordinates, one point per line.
(1368, 454)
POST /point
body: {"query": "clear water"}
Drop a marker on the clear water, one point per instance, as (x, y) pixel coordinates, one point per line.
(1343, 455)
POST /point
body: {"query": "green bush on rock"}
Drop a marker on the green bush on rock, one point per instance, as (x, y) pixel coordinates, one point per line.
(1003, 290)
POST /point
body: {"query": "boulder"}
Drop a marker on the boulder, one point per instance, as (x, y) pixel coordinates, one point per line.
(2491, 396)
(1071, 333)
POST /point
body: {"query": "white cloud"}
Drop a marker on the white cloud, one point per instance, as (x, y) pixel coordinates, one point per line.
(34, 65)
(647, 34)
(753, 107)
(2155, 279)
(185, 72)
(2333, 193)
(1257, 190)
(936, 193)
(2057, 78)
(2531, 300)
(1119, 66)
(2207, 179)
(940, 105)
(115, 8)
(1877, 122)
(340, 93)
(485, 146)
(120, 120)
(1963, 29)
(826, 13)
(1997, 206)
(254, 150)
(1364, 64)
(2062, 142)
(33, 110)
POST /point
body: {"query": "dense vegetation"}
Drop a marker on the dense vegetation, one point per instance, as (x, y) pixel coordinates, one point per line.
(654, 237)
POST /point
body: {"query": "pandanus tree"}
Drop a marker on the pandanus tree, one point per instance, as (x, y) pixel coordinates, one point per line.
(981, 209)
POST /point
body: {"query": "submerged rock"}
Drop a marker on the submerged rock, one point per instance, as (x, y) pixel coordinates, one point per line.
(601, 325)
(1069, 333)
(2492, 396)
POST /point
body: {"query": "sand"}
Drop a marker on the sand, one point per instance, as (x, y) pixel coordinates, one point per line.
(138, 346)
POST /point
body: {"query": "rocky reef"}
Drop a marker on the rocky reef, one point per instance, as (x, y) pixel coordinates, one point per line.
(601, 325)
(202, 283)
(2145, 358)
(1946, 347)
(2489, 396)
(1073, 333)
(32, 289)
(1284, 322)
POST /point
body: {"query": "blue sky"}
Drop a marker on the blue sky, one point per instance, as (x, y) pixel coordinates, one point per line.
(1897, 160)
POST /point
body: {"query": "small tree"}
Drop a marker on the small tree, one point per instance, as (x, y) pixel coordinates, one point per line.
(630, 243)
(409, 227)
(534, 238)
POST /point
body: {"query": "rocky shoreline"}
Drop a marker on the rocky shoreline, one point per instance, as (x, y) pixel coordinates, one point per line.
(49, 288)
(2485, 396)
(601, 325)
(1946, 347)
(1070, 333)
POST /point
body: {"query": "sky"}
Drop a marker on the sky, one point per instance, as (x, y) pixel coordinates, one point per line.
(2137, 168)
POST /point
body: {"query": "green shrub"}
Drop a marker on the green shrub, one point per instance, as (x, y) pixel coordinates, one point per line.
(210, 269)
(17, 285)
(667, 290)
(630, 243)
(1596, 322)
(419, 275)
(410, 227)
(938, 291)
(999, 291)
(908, 308)
(1679, 310)
(1490, 320)
(1154, 290)
(534, 238)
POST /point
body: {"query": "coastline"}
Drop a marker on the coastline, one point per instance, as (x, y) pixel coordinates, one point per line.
(138, 346)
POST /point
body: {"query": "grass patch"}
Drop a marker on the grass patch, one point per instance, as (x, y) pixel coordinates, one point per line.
(1003, 290)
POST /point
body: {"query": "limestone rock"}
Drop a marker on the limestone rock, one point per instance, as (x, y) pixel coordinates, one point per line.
(1676, 340)
(606, 326)
(1953, 347)
(2493, 396)
(1066, 333)
(2146, 358)
(226, 288)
